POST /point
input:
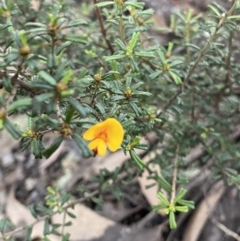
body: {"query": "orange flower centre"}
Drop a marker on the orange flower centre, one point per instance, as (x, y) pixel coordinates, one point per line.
(103, 135)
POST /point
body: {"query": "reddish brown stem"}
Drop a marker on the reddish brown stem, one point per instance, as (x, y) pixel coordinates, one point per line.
(103, 30)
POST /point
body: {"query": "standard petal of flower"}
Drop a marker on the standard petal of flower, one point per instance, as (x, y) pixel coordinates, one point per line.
(115, 134)
(92, 132)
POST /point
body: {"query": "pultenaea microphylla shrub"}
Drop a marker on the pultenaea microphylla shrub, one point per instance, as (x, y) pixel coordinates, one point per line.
(71, 74)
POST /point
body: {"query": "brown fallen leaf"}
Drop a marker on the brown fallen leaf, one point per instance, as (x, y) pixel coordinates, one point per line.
(19, 215)
(150, 193)
(202, 213)
(86, 226)
(17, 212)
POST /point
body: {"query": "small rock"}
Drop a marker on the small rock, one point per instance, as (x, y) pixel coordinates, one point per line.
(20, 157)
(7, 160)
(30, 184)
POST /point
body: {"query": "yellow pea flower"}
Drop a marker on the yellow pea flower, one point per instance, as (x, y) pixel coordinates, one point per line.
(108, 133)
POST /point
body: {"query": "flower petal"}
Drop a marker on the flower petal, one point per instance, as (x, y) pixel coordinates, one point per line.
(102, 148)
(115, 134)
(94, 144)
(98, 145)
(93, 131)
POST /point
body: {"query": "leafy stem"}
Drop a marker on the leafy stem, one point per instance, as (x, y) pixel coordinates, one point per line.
(174, 180)
(201, 54)
(102, 27)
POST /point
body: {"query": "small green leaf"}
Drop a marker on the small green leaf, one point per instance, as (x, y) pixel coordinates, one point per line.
(65, 198)
(158, 207)
(215, 10)
(63, 47)
(147, 54)
(11, 58)
(182, 209)
(69, 223)
(4, 26)
(142, 93)
(187, 203)
(71, 215)
(82, 145)
(135, 108)
(66, 237)
(11, 129)
(33, 24)
(176, 78)
(51, 61)
(132, 43)
(98, 201)
(76, 23)
(164, 184)
(161, 55)
(30, 122)
(36, 107)
(78, 107)
(46, 230)
(66, 93)
(55, 232)
(76, 38)
(180, 195)
(172, 220)
(69, 75)
(136, 141)
(141, 147)
(137, 159)
(36, 147)
(101, 109)
(104, 4)
(47, 78)
(1, 124)
(54, 146)
(28, 234)
(23, 37)
(234, 17)
(69, 114)
(2, 225)
(192, 46)
(163, 199)
(120, 44)
(139, 5)
(19, 103)
(56, 225)
(43, 97)
(32, 210)
(113, 57)
(9, 225)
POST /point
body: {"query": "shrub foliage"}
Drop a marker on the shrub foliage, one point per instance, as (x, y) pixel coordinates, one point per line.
(66, 72)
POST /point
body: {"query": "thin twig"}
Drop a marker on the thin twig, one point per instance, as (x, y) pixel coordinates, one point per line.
(103, 30)
(18, 80)
(226, 230)
(64, 220)
(174, 180)
(228, 60)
